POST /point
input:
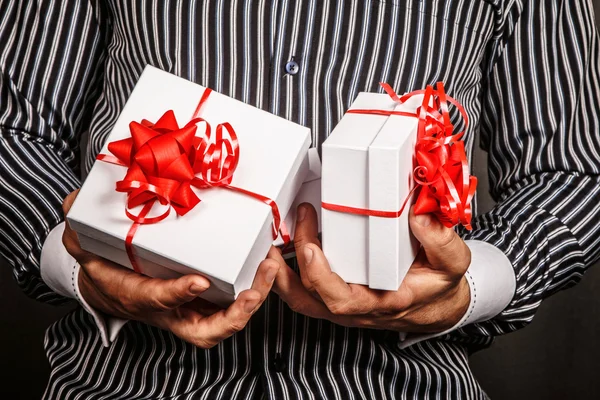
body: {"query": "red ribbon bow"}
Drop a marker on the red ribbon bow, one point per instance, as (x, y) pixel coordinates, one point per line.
(442, 170)
(164, 161)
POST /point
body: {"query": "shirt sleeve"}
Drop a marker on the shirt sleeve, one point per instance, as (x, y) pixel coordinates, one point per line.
(60, 271)
(50, 73)
(540, 128)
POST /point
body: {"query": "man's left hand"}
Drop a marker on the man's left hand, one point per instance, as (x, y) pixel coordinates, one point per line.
(433, 297)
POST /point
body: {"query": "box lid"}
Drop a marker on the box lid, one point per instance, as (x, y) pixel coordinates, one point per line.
(218, 234)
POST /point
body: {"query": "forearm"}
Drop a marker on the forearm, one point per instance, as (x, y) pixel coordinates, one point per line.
(539, 127)
(548, 228)
(33, 182)
(48, 83)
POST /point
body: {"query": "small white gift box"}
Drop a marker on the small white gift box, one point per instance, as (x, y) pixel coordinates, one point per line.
(227, 234)
(368, 162)
(392, 247)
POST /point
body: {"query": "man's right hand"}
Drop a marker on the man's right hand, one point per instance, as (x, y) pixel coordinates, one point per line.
(171, 304)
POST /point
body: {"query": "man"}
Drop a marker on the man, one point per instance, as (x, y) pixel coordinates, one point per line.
(527, 74)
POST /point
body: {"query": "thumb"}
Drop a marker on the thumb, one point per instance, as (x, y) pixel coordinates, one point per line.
(306, 234)
(158, 295)
(307, 230)
(68, 201)
(176, 292)
(443, 247)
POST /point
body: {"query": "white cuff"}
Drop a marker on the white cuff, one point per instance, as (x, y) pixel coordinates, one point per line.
(60, 271)
(492, 284)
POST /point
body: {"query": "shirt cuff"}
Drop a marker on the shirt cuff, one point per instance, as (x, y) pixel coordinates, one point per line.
(492, 284)
(60, 271)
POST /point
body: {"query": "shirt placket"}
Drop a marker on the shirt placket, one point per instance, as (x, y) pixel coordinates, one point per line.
(285, 100)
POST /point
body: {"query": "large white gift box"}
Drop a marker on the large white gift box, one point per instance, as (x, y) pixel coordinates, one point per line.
(368, 163)
(227, 234)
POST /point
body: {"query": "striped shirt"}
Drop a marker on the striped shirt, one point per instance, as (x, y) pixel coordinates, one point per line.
(527, 73)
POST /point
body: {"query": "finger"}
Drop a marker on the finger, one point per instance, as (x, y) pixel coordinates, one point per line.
(307, 226)
(291, 290)
(443, 247)
(307, 230)
(266, 273)
(68, 201)
(166, 294)
(137, 293)
(71, 242)
(209, 331)
(339, 297)
(203, 306)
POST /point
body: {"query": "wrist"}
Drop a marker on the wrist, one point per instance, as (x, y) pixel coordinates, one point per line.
(451, 312)
(457, 303)
(91, 298)
(87, 290)
(441, 314)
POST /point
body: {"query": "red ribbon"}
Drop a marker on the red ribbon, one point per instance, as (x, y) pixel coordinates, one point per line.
(442, 171)
(164, 161)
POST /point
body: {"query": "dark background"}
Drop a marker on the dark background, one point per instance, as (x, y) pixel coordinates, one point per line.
(556, 357)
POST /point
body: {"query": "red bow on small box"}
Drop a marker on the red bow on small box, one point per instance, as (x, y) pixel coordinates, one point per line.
(164, 161)
(442, 170)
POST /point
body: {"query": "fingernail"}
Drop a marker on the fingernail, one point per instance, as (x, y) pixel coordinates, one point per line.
(271, 274)
(301, 213)
(249, 306)
(197, 289)
(423, 219)
(308, 255)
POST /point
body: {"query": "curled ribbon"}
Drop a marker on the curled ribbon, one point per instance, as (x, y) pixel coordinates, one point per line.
(442, 170)
(164, 161)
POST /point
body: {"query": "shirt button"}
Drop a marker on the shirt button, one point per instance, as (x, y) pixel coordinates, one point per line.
(278, 363)
(292, 67)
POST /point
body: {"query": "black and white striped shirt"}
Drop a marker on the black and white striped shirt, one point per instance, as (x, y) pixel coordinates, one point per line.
(526, 71)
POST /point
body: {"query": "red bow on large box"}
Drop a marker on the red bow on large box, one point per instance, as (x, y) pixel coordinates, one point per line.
(442, 170)
(164, 161)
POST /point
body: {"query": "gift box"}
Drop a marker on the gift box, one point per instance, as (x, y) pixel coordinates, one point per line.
(199, 189)
(310, 192)
(367, 162)
(392, 248)
(383, 150)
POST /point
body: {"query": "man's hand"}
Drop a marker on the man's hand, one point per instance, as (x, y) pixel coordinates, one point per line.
(432, 298)
(172, 304)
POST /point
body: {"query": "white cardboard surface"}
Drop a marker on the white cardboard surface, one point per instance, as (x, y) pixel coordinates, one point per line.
(310, 192)
(392, 247)
(345, 182)
(228, 234)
